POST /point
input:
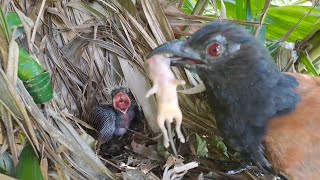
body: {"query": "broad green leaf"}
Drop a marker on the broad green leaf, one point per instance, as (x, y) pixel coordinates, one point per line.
(231, 9)
(28, 67)
(307, 62)
(188, 6)
(40, 88)
(240, 9)
(218, 142)
(13, 20)
(29, 165)
(249, 14)
(201, 146)
(281, 19)
(310, 48)
(38, 82)
(256, 8)
(289, 2)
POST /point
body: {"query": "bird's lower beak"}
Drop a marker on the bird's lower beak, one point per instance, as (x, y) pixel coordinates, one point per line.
(181, 54)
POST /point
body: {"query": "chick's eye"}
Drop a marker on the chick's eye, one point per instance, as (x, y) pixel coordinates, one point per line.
(214, 49)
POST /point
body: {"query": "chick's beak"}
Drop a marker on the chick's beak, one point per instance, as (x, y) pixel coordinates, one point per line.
(182, 54)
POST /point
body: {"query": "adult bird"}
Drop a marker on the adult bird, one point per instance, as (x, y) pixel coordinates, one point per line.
(271, 116)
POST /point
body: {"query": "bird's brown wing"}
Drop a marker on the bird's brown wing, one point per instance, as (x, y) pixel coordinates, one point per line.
(293, 140)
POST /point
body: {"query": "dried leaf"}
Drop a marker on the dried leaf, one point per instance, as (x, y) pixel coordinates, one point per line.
(223, 12)
(157, 21)
(12, 66)
(147, 152)
(81, 6)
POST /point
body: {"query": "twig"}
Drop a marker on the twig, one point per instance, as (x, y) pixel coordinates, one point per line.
(171, 139)
(263, 16)
(33, 36)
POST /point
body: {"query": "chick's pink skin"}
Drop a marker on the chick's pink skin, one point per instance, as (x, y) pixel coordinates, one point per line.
(165, 88)
(122, 102)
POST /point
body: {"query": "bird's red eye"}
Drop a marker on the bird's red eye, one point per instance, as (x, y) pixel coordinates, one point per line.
(214, 49)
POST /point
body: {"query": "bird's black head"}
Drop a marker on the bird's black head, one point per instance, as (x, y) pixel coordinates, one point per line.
(217, 41)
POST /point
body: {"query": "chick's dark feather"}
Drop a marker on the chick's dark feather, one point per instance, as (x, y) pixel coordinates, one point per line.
(104, 121)
(109, 121)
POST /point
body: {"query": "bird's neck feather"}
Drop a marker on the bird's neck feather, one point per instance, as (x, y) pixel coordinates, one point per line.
(245, 94)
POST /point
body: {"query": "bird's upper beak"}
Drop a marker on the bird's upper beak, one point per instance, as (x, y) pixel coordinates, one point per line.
(182, 54)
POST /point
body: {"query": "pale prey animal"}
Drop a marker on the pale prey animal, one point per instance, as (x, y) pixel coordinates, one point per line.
(165, 88)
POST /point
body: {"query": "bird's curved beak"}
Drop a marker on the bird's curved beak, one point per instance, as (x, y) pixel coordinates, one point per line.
(182, 54)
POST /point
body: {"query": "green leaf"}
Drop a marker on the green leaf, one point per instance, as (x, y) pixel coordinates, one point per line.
(231, 9)
(307, 62)
(218, 142)
(257, 7)
(40, 88)
(28, 67)
(162, 151)
(249, 14)
(201, 146)
(240, 9)
(309, 50)
(13, 20)
(188, 6)
(281, 19)
(37, 81)
(29, 165)
(289, 2)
